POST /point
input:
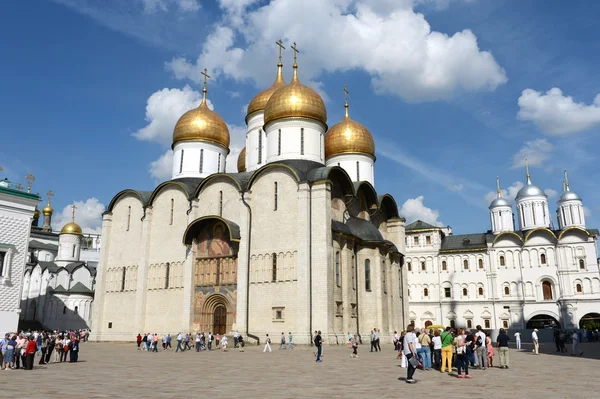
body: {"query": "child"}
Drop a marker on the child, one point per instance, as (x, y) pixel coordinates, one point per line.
(490, 351)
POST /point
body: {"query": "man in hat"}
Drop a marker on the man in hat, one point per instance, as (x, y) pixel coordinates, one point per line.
(536, 343)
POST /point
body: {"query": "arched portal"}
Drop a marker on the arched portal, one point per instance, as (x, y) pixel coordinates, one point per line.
(542, 321)
(590, 321)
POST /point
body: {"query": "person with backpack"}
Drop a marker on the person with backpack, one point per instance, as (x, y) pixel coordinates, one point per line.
(480, 348)
(318, 344)
(267, 344)
(462, 363)
(447, 339)
(241, 343)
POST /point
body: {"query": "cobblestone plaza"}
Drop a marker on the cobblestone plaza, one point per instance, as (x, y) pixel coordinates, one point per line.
(120, 371)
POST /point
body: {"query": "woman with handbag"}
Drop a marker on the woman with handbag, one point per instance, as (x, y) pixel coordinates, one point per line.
(460, 343)
(411, 353)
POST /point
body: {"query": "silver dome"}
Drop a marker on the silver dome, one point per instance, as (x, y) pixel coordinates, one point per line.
(499, 202)
(530, 190)
(569, 196)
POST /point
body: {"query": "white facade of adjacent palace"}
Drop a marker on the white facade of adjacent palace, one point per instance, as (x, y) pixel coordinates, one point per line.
(504, 278)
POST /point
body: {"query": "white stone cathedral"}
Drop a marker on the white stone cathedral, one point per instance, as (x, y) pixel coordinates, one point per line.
(298, 240)
(535, 277)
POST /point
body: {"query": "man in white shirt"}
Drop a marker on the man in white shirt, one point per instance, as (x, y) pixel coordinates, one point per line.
(235, 339)
(576, 349)
(481, 348)
(518, 339)
(410, 352)
(536, 343)
(179, 341)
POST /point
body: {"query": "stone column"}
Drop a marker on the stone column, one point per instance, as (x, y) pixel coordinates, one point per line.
(142, 273)
(98, 309)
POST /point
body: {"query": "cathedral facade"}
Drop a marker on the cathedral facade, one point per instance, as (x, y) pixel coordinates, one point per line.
(298, 240)
(535, 276)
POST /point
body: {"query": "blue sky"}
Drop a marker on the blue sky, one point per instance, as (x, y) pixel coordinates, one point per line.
(455, 92)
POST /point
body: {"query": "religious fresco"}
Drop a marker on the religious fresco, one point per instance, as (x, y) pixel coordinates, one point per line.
(213, 242)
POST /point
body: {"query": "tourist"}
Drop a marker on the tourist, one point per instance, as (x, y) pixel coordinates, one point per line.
(44, 347)
(267, 344)
(224, 343)
(187, 342)
(395, 340)
(74, 349)
(319, 345)
(349, 340)
(411, 353)
(20, 352)
(58, 343)
(502, 343)
(470, 338)
(354, 345)
(576, 349)
(424, 352)
(3, 345)
(210, 340)
(155, 343)
(437, 349)
(179, 340)
(235, 339)
(372, 340)
(138, 340)
(400, 352)
(30, 349)
(241, 343)
(50, 348)
(556, 337)
(9, 353)
(65, 346)
(490, 350)
(290, 340)
(282, 342)
(446, 350)
(198, 340)
(218, 339)
(518, 339)
(462, 363)
(480, 348)
(536, 343)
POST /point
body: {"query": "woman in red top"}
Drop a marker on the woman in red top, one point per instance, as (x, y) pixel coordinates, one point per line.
(30, 350)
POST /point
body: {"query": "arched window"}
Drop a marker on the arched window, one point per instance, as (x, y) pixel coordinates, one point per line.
(547, 290)
(172, 210)
(167, 274)
(274, 276)
(444, 265)
(301, 141)
(220, 203)
(425, 292)
(73, 255)
(201, 167)
(480, 262)
(423, 267)
(337, 269)
(581, 264)
(502, 261)
(480, 291)
(506, 291)
(465, 292)
(466, 264)
(357, 171)
(123, 279)
(367, 275)
(275, 196)
(279, 142)
(543, 259)
(181, 162)
(259, 146)
(128, 218)
(579, 289)
(409, 267)
(76, 309)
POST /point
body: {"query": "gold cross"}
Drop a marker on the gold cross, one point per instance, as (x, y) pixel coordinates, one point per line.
(50, 194)
(205, 76)
(295, 51)
(280, 44)
(346, 93)
(30, 179)
(73, 207)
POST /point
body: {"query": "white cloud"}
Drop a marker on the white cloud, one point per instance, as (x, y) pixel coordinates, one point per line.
(509, 193)
(237, 135)
(587, 212)
(152, 6)
(456, 187)
(88, 215)
(413, 209)
(557, 114)
(162, 168)
(163, 109)
(536, 152)
(551, 193)
(388, 40)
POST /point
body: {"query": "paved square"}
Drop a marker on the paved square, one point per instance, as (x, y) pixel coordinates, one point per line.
(111, 370)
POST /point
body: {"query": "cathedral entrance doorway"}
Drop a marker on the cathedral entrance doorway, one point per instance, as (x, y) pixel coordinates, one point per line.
(220, 320)
(542, 321)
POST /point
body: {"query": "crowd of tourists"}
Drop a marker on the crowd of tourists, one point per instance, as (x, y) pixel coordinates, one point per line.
(19, 350)
(187, 341)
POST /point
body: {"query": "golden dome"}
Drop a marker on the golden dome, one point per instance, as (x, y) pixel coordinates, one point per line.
(47, 210)
(295, 101)
(242, 161)
(348, 136)
(259, 102)
(36, 213)
(201, 124)
(71, 228)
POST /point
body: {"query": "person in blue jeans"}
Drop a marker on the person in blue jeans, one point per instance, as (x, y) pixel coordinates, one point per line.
(290, 341)
(424, 352)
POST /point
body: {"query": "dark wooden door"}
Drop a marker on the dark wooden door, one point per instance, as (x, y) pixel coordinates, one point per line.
(547, 290)
(220, 320)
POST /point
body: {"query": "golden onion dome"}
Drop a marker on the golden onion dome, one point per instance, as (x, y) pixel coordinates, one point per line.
(36, 213)
(201, 124)
(47, 210)
(295, 100)
(259, 102)
(71, 228)
(242, 161)
(348, 137)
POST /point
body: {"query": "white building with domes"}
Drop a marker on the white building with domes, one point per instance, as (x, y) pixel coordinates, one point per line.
(298, 240)
(533, 277)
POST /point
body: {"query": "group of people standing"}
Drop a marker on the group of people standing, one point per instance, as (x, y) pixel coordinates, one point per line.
(19, 349)
(149, 342)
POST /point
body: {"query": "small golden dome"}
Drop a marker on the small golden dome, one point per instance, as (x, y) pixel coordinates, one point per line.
(201, 124)
(36, 213)
(47, 210)
(259, 102)
(295, 101)
(71, 228)
(347, 137)
(242, 161)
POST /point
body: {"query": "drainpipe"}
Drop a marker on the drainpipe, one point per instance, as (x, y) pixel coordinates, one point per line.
(310, 323)
(357, 292)
(522, 289)
(248, 271)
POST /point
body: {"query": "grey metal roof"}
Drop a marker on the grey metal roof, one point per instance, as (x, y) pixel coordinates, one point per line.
(530, 190)
(51, 266)
(73, 265)
(500, 201)
(420, 225)
(79, 288)
(569, 196)
(466, 242)
(41, 245)
(340, 227)
(59, 290)
(364, 230)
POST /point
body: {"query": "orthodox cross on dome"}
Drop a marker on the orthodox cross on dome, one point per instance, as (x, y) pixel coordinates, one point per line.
(346, 94)
(30, 179)
(73, 207)
(50, 194)
(527, 171)
(498, 186)
(296, 51)
(566, 182)
(204, 90)
(280, 44)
